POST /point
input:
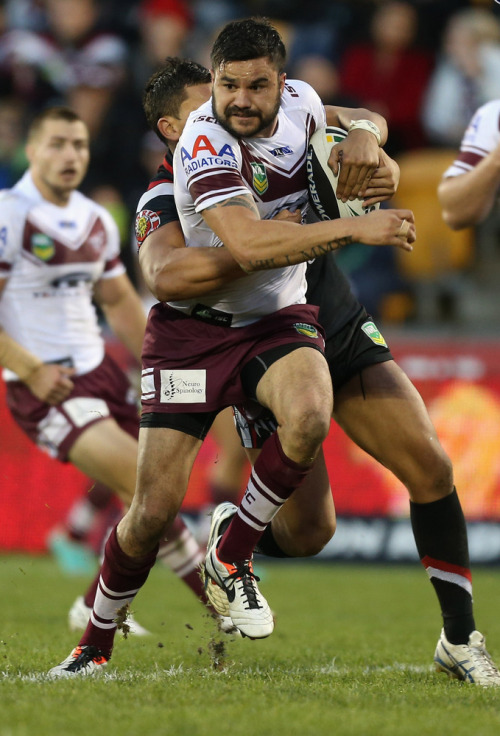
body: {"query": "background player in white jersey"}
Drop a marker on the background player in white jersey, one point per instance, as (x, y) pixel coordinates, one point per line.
(58, 250)
(375, 403)
(470, 186)
(186, 383)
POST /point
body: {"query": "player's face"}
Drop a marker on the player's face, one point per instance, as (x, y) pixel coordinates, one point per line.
(59, 157)
(195, 96)
(246, 97)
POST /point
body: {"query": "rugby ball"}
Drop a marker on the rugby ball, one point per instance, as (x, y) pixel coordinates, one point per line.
(322, 183)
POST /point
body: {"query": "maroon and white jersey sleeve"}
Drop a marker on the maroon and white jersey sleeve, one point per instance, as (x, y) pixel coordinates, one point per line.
(51, 257)
(211, 165)
(481, 137)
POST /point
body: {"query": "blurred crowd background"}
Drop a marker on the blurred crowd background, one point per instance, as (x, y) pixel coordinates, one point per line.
(424, 64)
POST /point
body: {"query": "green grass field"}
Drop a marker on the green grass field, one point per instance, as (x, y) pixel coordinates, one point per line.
(351, 654)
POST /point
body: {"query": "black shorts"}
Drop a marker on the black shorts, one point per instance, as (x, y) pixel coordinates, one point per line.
(356, 346)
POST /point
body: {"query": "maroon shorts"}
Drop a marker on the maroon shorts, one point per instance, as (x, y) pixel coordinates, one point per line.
(103, 393)
(193, 366)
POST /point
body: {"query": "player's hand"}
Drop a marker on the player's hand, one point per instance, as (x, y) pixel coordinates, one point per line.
(289, 216)
(51, 383)
(384, 182)
(356, 158)
(386, 227)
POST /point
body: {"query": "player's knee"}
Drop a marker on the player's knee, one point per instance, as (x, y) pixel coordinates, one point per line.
(307, 428)
(145, 524)
(434, 478)
(312, 538)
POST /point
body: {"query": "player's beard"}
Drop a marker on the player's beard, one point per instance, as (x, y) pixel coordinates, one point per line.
(261, 121)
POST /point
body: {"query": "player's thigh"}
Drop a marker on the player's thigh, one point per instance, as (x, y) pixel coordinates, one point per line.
(383, 413)
(109, 455)
(297, 383)
(165, 460)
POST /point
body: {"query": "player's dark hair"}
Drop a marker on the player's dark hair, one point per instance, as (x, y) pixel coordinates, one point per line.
(166, 89)
(58, 112)
(251, 38)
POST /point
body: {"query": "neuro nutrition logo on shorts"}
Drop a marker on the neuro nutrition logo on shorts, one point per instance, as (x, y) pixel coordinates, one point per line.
(183, 387)
(371, 330)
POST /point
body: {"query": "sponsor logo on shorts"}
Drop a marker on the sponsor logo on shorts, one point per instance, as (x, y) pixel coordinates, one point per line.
(183, 387)
(145, 222)
(371, 330)
(259, 181)
(305, 329)
(42, 246)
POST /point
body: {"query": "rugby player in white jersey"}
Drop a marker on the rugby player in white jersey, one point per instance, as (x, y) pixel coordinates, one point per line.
(469, 187)
(193, 353)
(58, 250)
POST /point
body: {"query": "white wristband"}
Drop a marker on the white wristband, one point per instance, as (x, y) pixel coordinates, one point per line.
(366, 125)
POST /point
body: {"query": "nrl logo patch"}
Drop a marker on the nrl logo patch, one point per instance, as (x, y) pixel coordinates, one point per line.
(307, 330)
(42, 246)
(370, 329)
(259, 182)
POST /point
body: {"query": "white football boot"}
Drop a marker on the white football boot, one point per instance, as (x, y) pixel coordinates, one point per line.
(83, 661)
(469, 662)
(232, 587)
(221, 518)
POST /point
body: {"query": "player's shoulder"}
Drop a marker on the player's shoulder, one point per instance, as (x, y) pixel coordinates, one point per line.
(160, 188)
(484, 127)
(15, 201)
(298, 93)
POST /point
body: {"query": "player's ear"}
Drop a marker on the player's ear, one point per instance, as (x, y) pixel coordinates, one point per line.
(282, 80)
(169, 127)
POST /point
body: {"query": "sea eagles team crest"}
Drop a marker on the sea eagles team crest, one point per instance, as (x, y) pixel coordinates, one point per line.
(145, 222)
(259, 182)
(42, 246)
(370, 329)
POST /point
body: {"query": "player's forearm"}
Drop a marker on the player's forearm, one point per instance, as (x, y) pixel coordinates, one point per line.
(16, 358)
(184, 273)
(268, 244)
(127, 320)
(342, 117)
(468, 198)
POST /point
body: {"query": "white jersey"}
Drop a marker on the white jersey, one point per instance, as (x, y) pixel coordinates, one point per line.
(51, 257)
(481, 137)
(211, 165)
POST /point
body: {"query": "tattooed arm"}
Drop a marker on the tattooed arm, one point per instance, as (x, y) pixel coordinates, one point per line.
(262, 244)
(172, 271)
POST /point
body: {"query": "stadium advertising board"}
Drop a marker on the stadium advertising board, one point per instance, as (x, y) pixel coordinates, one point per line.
(460, 383)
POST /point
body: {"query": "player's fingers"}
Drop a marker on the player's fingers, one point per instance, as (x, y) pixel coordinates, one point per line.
(406, 233)
(334, 160)
(347, 182)
(363, 181)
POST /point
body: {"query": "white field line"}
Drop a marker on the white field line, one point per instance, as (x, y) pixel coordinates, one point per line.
(156, 674)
